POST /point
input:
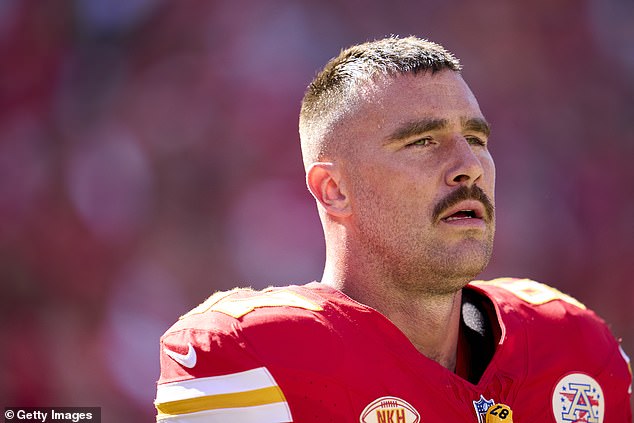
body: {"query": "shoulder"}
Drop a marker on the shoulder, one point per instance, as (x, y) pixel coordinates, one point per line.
(244, 328)
(539, 305)
(557, 326)
(237, 353)
(561, 349)
(564, 343)
(246, 309)
(525, 292)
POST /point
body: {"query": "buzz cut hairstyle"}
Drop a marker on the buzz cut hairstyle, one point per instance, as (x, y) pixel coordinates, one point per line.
(333, 92)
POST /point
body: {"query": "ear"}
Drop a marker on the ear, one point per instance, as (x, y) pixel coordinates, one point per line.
(324, 183)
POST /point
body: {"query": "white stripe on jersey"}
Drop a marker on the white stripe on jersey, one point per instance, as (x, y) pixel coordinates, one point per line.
(225, 384)
(244, 397)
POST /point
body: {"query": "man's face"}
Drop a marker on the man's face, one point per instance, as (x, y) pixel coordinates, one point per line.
(415, 142)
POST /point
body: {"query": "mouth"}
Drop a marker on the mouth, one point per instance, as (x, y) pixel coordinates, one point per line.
(465, 211)
(461, 215)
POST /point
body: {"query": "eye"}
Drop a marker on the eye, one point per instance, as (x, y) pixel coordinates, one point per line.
(423, 142)
(473, 140)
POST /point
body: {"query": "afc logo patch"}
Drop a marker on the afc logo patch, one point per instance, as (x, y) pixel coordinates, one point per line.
(577, 397)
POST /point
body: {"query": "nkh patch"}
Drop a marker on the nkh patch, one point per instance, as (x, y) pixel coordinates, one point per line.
(577, 397)
(481, 406)
(389, 410)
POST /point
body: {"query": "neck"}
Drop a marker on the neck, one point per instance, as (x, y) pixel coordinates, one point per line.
(424, 304)
(430, 320)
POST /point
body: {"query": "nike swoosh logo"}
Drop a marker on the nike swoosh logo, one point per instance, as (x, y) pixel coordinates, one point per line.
(186, 360)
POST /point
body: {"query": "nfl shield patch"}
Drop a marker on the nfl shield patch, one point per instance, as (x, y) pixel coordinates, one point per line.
(481, 406)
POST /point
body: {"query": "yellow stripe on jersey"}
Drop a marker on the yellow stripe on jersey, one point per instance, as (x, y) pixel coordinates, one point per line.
(532, 292)
(251, 396)
(236, 306)
(262, 396)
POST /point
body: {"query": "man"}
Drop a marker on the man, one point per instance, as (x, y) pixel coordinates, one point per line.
(396, 155)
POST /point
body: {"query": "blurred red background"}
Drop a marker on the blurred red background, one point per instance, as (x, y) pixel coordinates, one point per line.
(149, 156)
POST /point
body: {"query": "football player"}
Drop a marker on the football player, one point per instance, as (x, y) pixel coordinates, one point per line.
(396, 154)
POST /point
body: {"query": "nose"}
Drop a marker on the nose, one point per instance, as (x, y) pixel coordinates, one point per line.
(465, 167)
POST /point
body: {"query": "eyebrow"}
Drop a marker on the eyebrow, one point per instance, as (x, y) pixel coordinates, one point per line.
(413, 128)
(477, 125)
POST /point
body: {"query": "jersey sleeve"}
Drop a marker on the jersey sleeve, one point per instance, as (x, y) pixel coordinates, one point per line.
(209, 375)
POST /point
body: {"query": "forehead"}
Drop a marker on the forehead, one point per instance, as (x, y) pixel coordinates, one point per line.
(390, 101)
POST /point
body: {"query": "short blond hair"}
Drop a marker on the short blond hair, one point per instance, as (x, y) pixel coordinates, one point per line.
(335, 89)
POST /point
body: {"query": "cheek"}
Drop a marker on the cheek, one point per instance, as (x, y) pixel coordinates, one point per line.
(389, 192)
(369, 185)
(488, 176)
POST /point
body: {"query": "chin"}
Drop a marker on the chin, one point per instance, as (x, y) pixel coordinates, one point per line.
(465, 265)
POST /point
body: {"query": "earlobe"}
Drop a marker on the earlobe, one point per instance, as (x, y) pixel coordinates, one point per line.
(324, 183)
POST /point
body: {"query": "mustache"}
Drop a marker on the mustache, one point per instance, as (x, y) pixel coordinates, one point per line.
(463, 193)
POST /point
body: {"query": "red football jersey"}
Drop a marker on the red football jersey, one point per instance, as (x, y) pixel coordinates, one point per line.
(310, 354)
